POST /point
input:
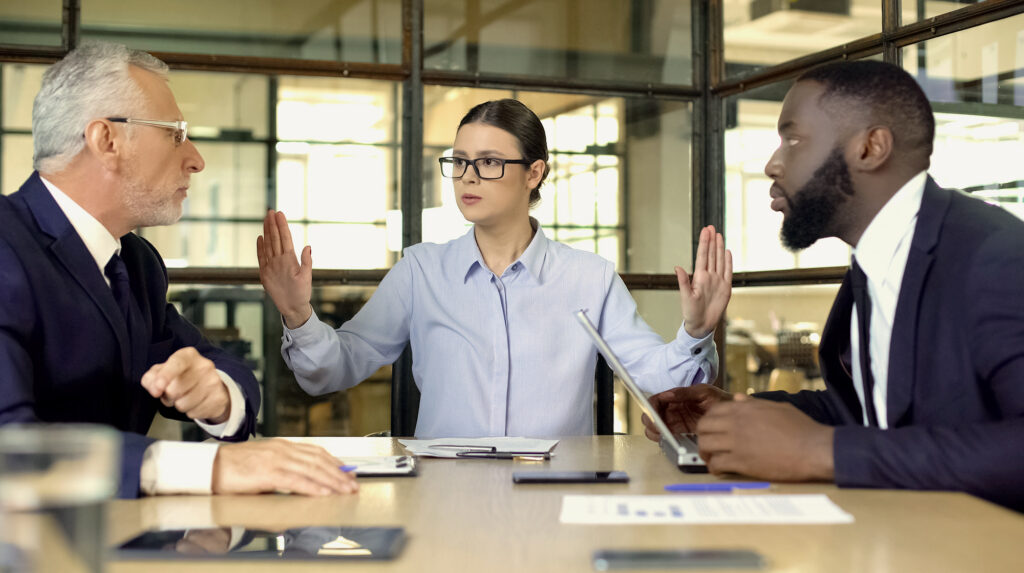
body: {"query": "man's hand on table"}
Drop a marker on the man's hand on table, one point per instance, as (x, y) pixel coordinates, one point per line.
(279, 466)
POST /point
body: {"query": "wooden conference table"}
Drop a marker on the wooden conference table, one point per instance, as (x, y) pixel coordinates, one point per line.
(467, 515)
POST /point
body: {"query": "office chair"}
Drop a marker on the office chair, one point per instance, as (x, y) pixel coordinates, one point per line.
(405, 397)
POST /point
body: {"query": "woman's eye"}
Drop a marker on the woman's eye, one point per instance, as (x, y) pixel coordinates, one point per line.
(491, 162)
(459, 162)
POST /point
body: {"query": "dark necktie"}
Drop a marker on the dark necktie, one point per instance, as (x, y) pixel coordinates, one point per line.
(859, 282)
(117, 272)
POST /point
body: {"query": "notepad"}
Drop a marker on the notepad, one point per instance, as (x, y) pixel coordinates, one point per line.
(496, 447)
(376, 466)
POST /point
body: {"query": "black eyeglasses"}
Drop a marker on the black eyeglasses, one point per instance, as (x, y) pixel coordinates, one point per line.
(486, 167)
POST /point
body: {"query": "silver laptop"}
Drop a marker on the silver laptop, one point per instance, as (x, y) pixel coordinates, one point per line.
(681, 449)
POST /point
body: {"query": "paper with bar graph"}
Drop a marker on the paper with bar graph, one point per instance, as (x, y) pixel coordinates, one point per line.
(710, 509)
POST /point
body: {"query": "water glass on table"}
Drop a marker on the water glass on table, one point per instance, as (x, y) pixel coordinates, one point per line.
(55, 481)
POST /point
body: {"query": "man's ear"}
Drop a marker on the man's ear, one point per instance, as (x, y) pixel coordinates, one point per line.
(103, 143)
(872, 148)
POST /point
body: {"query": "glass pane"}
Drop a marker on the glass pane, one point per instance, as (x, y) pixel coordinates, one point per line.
(975, 81)
(338, 162)
(223, 106)
(15, 161)
(206, 243)
(334, 30)
(772, 337)
(620, 175)
(761, 33)
(595, 40)
(232, 318)
(233, 184)
(20, 85)
(35, 23)
(922, 10)
(751, 227)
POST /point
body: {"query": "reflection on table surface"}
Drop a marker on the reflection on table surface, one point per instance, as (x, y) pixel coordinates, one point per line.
(467, 515)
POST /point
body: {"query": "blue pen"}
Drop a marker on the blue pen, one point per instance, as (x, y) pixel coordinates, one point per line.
(717, 486)
(347, 468)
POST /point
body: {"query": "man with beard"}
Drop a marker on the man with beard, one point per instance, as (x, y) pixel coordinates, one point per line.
(923, 351)
(86, 333)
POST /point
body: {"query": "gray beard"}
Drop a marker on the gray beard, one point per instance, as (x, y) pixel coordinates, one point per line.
(146, 207)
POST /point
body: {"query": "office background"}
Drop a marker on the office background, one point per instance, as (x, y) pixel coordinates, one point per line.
(660, 116)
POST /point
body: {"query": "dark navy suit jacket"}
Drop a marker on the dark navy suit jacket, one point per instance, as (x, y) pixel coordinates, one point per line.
(64, 342)
(955, 396)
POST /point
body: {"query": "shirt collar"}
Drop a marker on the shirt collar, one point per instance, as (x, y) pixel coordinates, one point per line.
(882, 238)
(532, 259)
(98, 240)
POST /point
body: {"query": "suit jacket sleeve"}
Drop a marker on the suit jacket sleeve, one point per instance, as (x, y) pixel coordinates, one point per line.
(980, 458)
(821, 405)
(17, 401)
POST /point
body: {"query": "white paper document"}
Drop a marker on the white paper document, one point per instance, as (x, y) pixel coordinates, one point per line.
(381, 465)
(710, 509)
(498, 447)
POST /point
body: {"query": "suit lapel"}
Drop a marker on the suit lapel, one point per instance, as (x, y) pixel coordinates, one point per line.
(903, 345)
(835, 342)
(68, 248)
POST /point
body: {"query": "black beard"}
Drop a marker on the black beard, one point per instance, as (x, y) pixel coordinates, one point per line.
(812, 209)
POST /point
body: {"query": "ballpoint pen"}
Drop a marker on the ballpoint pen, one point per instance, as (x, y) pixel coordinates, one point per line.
(506, 455)
(491, 452)
(717, 486)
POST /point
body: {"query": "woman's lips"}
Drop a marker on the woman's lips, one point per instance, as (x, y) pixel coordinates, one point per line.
(468, 199)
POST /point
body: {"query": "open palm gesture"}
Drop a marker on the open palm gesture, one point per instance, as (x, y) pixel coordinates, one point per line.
(705, 295)
(289, 283)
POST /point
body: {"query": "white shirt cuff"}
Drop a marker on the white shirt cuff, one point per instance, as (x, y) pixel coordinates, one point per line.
(230, 426)
(178, 467)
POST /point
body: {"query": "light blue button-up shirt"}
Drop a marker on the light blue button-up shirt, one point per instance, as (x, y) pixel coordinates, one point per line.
(497, 355)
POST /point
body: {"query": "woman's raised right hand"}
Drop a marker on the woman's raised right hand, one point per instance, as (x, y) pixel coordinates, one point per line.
(289, 283)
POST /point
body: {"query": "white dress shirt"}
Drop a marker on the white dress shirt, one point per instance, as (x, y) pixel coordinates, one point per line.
(882, 254)
(167, 467)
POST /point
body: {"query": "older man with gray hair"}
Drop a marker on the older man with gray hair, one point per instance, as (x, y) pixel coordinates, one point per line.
(86, 333)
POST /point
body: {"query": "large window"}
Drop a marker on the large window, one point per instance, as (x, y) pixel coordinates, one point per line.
(975, 81)
(35, 23)
(646, 42)
(761, 33)
(20, 82)
(335, 30)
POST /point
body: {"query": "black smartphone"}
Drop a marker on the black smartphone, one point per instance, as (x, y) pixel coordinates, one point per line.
(613, 559)
(570, 477)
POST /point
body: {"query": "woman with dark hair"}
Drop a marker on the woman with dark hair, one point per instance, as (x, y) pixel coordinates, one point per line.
(496, 348)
